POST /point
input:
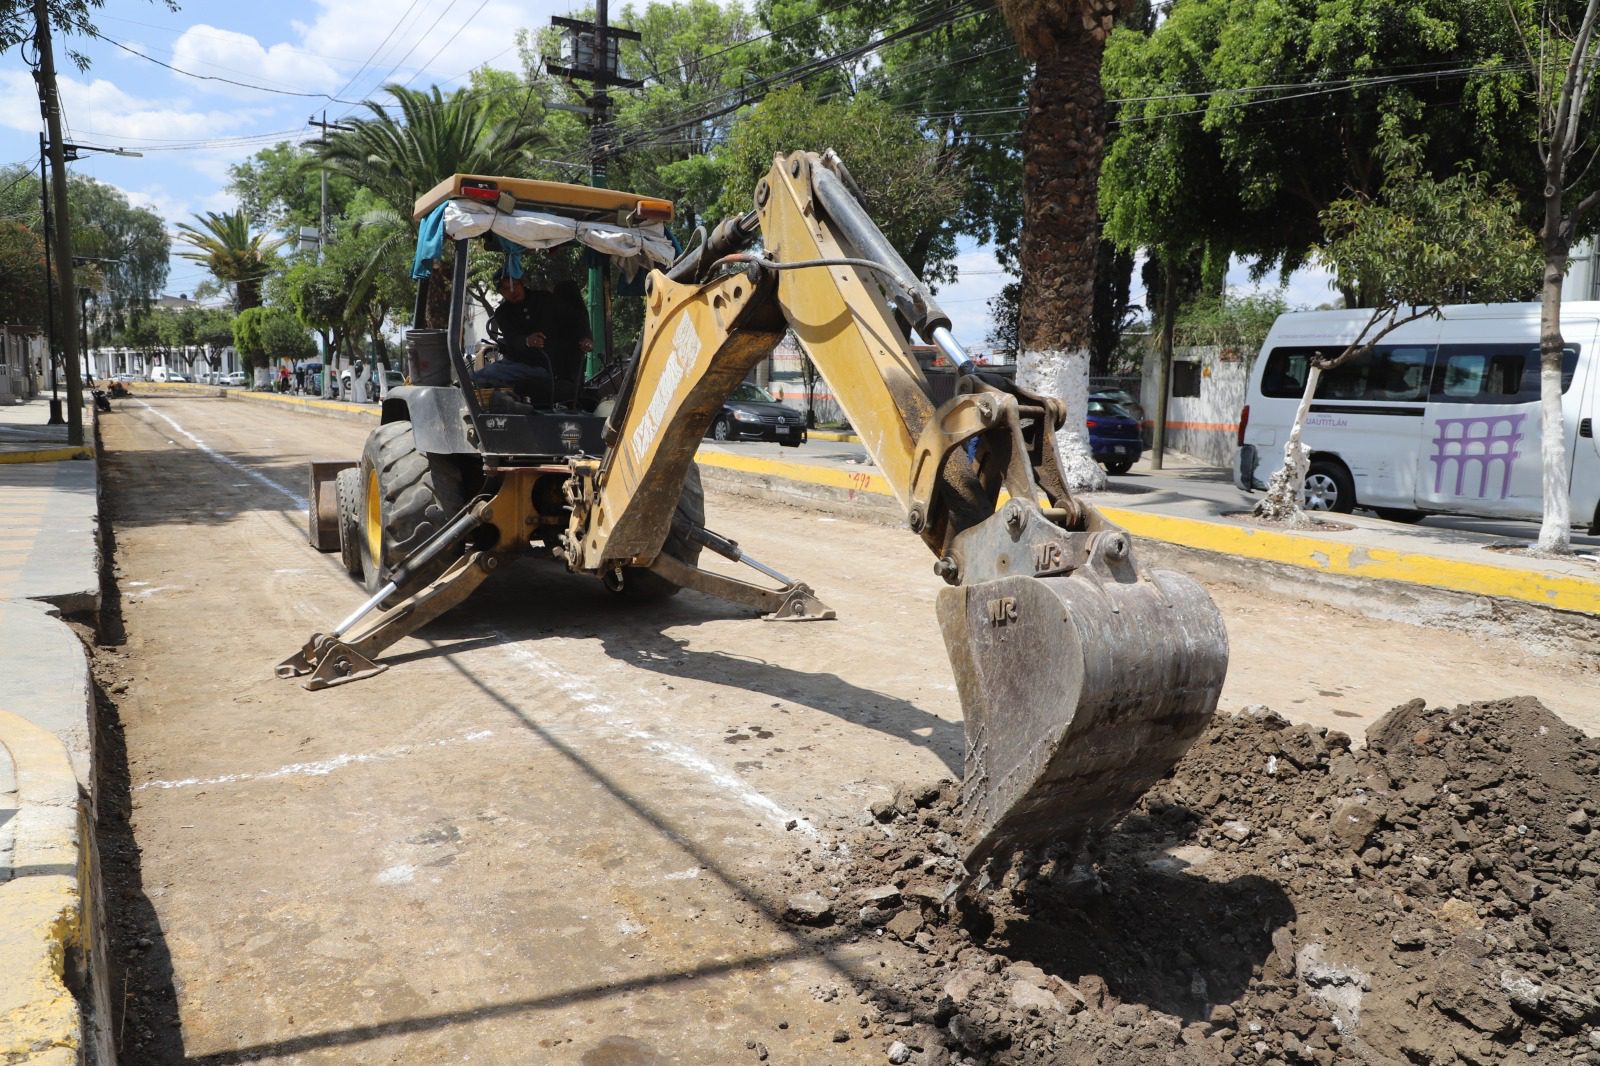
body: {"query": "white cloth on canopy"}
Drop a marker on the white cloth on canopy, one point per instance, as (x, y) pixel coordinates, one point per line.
(634, 247)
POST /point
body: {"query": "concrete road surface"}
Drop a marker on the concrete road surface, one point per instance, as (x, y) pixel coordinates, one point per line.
(549, 832)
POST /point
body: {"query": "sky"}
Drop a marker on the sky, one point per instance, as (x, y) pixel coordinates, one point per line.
(190, 129)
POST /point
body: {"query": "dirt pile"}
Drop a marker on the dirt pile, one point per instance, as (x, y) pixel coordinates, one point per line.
(1281, 898)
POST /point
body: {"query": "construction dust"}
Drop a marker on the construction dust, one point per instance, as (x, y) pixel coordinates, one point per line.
(1280, 898)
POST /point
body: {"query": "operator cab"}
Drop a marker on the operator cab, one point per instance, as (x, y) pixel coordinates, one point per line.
(563, 258)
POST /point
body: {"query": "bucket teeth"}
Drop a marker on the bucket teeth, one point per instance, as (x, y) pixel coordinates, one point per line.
(1080, 692)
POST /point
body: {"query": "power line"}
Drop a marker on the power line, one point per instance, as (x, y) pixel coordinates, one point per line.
(390, 73)
(217, 77)
(381, 45)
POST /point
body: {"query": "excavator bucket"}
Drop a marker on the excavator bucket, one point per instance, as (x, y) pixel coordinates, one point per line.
(1080, 691)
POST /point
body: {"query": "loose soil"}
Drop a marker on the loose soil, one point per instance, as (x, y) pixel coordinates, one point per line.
(1281, 897)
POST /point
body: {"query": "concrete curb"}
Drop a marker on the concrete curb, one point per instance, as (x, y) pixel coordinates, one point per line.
(54, 978)
(358, 412)
(833, 435)
(866, 491)
(45, 942)
(46, 455)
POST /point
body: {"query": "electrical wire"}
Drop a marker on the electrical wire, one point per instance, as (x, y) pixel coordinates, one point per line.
(381, 45)
(390, 72)
(217, 77)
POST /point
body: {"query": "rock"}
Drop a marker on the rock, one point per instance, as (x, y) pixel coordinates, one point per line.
(1569, 920)
(1028, 997)
(905, 924)
(899, 1053)
(840, 1036)
(883, 810)
(959, 987)
(1461, 990)
(808, 908)
(1026, 971)
(1578, 821)
(884, 897)
(1353, 824)
(872, 917)
(1237, 832)
(1092, 987)
(1458, 912)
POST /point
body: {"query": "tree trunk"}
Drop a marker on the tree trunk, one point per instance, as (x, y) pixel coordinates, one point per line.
(1169, 322)
(1555, 532)
(1062, 141)
(1287, 488)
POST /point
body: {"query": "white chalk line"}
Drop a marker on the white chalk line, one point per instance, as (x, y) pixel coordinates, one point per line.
(591, 702)
(228, 460)
(322, 767)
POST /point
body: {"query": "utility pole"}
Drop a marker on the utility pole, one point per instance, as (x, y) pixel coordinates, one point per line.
(50, 104)
(49, 290)
(593, 48)
(323, 127)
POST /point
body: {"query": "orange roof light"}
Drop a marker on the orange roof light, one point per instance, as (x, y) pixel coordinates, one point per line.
(654, 211)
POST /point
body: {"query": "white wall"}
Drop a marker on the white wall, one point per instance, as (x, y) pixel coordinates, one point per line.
(1204, 426)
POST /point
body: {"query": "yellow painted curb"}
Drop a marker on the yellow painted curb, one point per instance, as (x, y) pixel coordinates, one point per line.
(48, 455)
(312, 402)
(848, 480)
(834, 435)
(41, 912)
(1563, 591)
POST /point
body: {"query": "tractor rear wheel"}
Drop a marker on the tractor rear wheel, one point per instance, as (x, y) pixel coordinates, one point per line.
(406, 497)
(643, 586)
(347, 490)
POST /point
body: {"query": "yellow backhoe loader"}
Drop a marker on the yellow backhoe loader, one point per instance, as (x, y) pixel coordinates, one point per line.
(1083, 677)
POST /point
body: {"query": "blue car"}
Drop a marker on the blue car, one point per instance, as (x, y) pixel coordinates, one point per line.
(1113, 436)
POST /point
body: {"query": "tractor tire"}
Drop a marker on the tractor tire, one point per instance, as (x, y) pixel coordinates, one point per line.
(406, 497)
(642, 586)
(347, 489)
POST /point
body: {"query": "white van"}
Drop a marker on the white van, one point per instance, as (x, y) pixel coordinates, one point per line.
(1441, 417)
(162, 373)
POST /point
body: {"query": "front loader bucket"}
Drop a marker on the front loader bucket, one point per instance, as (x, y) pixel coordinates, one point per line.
(1080, 692)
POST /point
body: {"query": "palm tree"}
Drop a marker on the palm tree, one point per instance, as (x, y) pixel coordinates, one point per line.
(234, 255)
(400, 157)
(1063, 138)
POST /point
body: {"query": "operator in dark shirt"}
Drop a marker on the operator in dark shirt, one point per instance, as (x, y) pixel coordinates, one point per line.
(518, 326)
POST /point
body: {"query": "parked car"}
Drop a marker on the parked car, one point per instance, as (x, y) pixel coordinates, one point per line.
(1123, 399)
(164, 373)
(1113, 436)
(751, 413)
(238, 377)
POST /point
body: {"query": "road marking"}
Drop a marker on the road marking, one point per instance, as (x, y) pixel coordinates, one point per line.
(321, 768)
(591, 702)
(299, 500)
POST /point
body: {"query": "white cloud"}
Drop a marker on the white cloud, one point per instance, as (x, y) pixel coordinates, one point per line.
(424, 36)
(109, 112)
(208, 50)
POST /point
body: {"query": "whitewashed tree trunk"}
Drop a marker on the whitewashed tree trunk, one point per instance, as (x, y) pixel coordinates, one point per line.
(1555, 531)
(1286, 489)
(1065, 374)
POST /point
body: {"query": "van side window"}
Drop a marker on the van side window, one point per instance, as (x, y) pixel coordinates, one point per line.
(1387, 372)
(1494, 373)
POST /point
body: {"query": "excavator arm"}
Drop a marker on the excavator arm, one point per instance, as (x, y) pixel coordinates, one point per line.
(1083, 677)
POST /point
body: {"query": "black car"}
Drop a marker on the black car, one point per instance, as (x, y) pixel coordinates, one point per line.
(752, 414)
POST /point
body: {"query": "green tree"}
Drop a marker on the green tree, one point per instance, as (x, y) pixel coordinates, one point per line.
(66, 17)
(1418, 245)
(234, 255)
(280, 188)
(22, 282)
(127, 246)
(263, 335)
(1564, 53)
(907, 191)
(401, 156)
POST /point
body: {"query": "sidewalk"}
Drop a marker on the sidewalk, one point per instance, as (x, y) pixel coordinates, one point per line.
(51, 938)
(26, 436)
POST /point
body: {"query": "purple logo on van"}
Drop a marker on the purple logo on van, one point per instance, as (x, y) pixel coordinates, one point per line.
(1484, 447)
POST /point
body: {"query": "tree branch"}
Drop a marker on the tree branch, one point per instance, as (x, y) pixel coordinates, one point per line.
(1358, 347)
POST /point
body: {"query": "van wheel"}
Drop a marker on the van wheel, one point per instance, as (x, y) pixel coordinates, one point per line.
(1399, 514)
(1329, 487)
